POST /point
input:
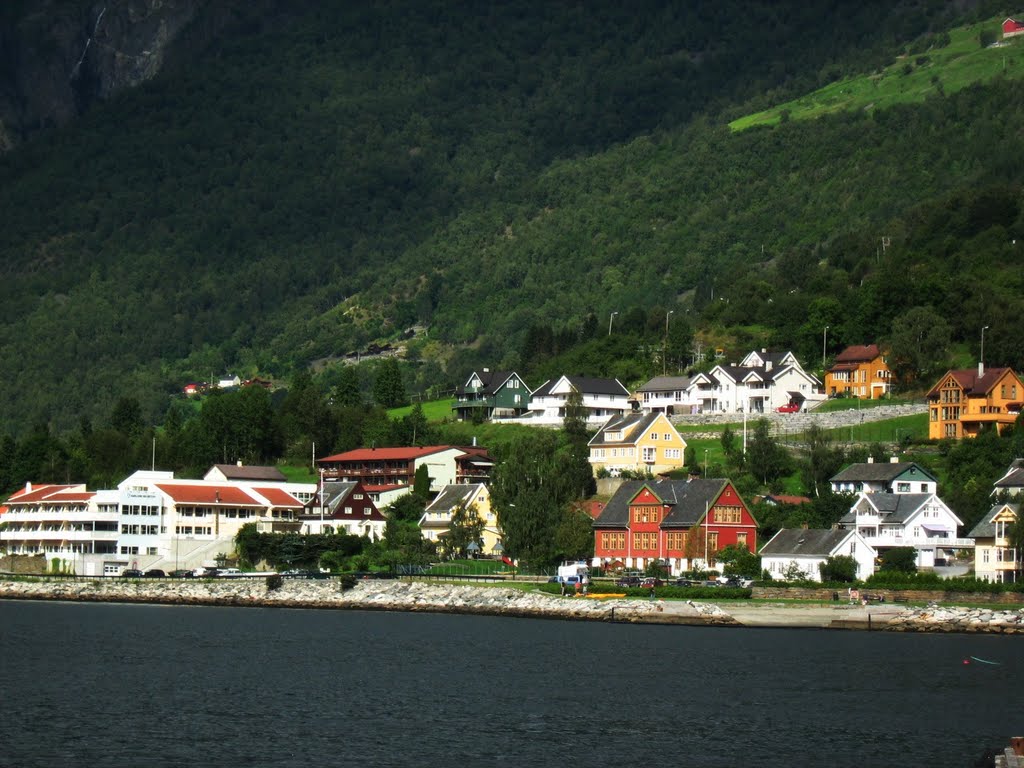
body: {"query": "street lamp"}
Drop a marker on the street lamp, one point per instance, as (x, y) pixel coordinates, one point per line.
(982, 355)
(705, 462)
(610, 318)
(824, 343)
(664, 351)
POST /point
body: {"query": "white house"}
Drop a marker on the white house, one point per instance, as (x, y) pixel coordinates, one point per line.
(918, 520)
(797, 553)
(602, 399)
(892, 477)
(762, 382)
(1012, 483)
(666, 394)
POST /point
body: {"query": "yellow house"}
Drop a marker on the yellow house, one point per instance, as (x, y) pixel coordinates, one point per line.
(638, 442)
(966, 400)
(995, 557)
(858, 371)
(437, 518)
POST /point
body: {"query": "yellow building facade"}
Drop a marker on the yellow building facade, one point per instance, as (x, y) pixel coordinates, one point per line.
(638, 442)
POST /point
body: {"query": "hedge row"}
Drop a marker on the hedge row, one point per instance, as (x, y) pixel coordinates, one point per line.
(668, 591)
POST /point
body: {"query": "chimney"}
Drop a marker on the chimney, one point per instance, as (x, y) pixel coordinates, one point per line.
(474, 441)
(487, 370)
(216, 496)
(28, 486)
(871, 459)
(239, 463)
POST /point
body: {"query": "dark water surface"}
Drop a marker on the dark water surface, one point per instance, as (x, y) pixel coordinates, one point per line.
(130, 685)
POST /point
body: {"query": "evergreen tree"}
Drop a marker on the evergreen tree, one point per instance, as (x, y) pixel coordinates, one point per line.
(388, 387)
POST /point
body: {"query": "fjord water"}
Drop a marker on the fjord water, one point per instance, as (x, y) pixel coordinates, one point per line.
(133, 685)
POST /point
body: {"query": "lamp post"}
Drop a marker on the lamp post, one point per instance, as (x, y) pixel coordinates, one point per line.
(824, 343)
(610, 318)
(705, 462)
(664, 351)
(981, 357)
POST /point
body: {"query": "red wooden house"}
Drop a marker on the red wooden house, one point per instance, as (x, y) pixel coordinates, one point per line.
(681, 523)
(1012, 27)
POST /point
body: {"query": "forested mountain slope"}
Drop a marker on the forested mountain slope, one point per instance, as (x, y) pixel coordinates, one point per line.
(299, 192)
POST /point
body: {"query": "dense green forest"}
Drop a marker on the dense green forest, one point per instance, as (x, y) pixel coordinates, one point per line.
(506, 177)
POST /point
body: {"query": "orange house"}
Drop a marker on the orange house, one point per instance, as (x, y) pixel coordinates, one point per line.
(966, 400)
(858, 371)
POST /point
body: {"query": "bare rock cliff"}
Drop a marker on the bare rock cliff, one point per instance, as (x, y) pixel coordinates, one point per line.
(57, 57)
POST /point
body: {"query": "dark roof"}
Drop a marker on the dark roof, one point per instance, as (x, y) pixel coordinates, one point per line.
(986, 529)
(334, 493)
(491, 381)
(859, 353)
(897, 507)
(636, 423)
(585, 385)
(236, 472)
(970, 382)
(665, 383)
(688, 501)
(805, 541)
(1014, 477)
(879, 472)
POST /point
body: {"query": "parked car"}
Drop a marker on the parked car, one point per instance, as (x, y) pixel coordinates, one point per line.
(155, 573)
(205, 573)
(686, 583)
(131, 573)
(229, 573)
(651, 582)
(181, 573)
(628, 581)
(789, 408)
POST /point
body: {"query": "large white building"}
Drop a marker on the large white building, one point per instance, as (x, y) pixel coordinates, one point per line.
(151, 520)
(601, 400)
(762, 382)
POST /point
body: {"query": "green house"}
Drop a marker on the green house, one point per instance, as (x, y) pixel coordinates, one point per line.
(488, 394)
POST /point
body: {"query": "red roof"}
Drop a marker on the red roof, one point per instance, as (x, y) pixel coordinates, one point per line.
(209, 494)
(385, 454)
(43, 493)
(859, 353)
(279, 498)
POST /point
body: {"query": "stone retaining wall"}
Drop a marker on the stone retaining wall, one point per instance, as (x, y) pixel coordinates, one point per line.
(892, 595)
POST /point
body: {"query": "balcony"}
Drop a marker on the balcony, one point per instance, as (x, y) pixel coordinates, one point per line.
(919, 542)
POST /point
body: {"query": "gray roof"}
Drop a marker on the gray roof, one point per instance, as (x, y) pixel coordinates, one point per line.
(665, 383)
(636, 423)
(879, 472)
(451, 496)
(805, 541)
(897, 507)
(1014, 477)
(986, 529)
(688, 501)
(236, 472)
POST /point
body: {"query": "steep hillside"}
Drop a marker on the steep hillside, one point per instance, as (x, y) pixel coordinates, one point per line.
(352, 171)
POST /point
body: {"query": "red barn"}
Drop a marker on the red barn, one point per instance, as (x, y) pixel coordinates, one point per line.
(1012, 27)
(682, 523)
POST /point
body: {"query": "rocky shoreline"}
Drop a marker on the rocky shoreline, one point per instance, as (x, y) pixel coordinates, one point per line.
(379, 595)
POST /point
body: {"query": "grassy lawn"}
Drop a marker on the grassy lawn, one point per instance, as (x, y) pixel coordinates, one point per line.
(853, 403)
(434, 410)
(888, 431)
(909, 79)
(301, 474)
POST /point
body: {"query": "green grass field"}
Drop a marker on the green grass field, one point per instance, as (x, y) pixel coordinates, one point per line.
(909, 79)
(434, 410)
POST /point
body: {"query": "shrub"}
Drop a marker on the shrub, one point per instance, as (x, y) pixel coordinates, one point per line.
(274, 582)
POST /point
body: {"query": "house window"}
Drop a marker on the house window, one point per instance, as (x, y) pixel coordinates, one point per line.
(672, 453)
(902, 487)
(649, 453)
(712, 546)
(924, 487)
(728, 515)
(666, 437)
(654, 435)
(741, 539)
(853, 548)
